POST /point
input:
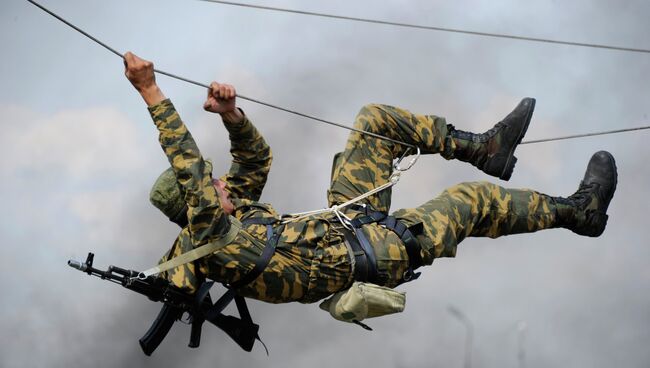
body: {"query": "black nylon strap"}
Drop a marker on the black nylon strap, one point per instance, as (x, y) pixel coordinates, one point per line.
(370, 255)
(220, 304)
(259, 221)
(395, 225)
(361, 269)
(203, 292)
(372, 217)
(273, 235)
(407, 237)
(244, 314)
(243, 330)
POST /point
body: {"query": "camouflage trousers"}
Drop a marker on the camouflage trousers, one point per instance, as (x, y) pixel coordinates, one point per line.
(478, 209)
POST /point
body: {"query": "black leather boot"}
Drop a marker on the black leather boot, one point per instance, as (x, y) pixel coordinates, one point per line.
(585, 211)
(493, 151)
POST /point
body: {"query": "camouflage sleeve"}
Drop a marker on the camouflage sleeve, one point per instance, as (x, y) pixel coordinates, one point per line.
(251, 161)
(207, 220)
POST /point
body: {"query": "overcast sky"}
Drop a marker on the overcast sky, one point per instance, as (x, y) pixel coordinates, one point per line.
(80, 153)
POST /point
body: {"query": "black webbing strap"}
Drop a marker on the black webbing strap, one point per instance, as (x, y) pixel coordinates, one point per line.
(395, 225)
(259, 221)
(220, 305)
(369, 218)
(203, 292)
(272, 237)
(242, 330)
(361, 266)
(373, 274)
(407, 237)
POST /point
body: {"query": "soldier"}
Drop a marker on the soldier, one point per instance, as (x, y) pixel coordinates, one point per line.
(310, 259)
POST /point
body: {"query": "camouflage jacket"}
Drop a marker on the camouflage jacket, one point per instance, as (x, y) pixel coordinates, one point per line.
(311, 260)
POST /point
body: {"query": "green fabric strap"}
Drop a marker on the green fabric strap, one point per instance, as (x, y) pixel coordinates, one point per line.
(196, 253)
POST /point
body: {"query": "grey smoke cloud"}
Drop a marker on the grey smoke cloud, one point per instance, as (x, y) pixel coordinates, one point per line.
(80, 154)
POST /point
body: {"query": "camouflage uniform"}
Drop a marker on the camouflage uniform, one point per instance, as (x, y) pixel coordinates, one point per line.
(311, 260)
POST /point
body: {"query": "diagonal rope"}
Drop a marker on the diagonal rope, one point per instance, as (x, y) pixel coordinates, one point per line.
(429, 28)
(586, 135)
(302, 114)
(208, 87)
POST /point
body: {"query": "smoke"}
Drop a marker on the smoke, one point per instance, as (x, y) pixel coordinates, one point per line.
(80, 154)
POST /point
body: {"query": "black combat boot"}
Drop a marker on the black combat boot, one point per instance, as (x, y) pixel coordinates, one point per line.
(493, 151)
(585, 211)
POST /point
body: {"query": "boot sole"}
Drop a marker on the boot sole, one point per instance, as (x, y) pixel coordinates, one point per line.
(512, 160)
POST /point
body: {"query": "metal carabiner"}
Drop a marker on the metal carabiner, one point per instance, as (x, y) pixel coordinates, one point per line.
(397, 167)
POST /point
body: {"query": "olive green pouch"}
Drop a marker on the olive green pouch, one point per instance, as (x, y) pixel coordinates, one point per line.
(364, 300)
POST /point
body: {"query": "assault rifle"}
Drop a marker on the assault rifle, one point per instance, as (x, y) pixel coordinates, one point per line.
(176, 303)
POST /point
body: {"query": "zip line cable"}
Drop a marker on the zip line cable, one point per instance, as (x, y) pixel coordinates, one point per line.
(302, 114)
(208, 87)
(586, 135)
(428, 28)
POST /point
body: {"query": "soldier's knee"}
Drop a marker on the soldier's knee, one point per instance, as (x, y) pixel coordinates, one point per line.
(471, 191)
(370, 118)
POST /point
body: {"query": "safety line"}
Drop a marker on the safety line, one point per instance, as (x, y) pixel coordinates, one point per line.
(429, 28)
(305, 115)
(208, 87)
(585, 135)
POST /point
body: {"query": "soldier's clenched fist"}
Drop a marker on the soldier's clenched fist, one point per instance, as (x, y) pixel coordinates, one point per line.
(140, 73)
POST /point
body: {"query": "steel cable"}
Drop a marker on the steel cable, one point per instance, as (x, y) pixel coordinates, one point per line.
(585, 135)
(297, 112)
(171, 75)
(429, 28)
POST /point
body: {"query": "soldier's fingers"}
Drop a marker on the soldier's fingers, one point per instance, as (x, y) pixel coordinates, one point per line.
(214, 89)
(214, 86)
(227, 88)
(138, 59)
(128, 58)
(233, 93)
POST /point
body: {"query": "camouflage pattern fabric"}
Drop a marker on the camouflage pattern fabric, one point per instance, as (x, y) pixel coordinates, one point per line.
(467, 209)
(311, 261)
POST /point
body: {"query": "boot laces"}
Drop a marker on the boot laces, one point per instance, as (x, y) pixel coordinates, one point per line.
(584, 194)
(494, 130)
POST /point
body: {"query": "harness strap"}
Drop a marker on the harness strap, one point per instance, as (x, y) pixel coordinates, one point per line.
(259, 221)
(371, 217)
(360, 266)
(407, 237)
(272, 237)
(373, 274)
(242, 330)
(399, 228)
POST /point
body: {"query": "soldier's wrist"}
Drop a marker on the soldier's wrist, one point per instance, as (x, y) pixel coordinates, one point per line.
(233, 118)
(152, 95)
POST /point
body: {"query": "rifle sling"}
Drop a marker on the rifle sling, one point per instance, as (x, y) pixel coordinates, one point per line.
(194, 254)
